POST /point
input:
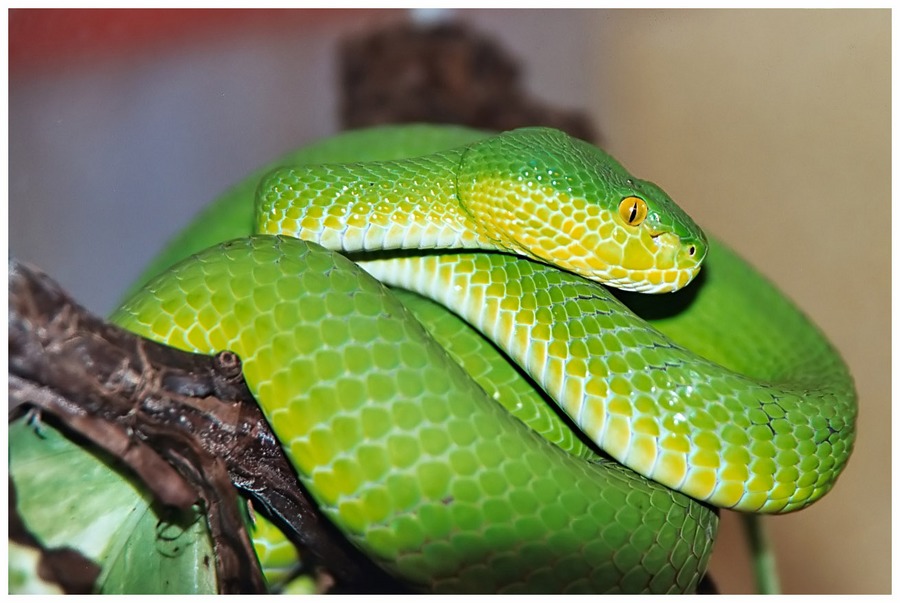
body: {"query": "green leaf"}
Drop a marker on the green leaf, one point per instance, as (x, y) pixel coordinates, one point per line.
(71, 496)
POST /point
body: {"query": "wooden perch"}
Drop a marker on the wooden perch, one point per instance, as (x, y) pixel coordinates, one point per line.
(185, 424)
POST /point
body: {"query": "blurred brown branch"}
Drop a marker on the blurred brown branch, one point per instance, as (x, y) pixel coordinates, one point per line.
(445, 73)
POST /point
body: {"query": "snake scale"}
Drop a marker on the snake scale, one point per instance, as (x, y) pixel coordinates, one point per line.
(528, 432)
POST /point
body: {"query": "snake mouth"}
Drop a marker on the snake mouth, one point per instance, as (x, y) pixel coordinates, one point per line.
(674, 264)
(656, 281)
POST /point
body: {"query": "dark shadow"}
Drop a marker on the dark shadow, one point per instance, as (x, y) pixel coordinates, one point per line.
(665, 305)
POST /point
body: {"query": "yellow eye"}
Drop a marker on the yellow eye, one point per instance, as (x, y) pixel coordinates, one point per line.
(633, 210)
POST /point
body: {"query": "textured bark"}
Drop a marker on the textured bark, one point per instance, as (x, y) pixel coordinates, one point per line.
(185, 424)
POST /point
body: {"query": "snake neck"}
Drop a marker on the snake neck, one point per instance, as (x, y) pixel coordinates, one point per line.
(353, 207)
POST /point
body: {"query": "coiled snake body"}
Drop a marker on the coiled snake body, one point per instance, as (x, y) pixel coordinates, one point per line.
(734, 401)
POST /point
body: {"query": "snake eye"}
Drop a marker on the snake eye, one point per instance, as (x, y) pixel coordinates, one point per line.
(633, 210)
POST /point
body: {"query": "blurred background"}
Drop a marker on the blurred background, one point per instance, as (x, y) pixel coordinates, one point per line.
(771, 128)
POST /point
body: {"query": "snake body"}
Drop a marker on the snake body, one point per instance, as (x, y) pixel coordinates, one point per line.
(402, 441)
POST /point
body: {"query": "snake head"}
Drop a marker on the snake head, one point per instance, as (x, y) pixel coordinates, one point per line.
(540, 193)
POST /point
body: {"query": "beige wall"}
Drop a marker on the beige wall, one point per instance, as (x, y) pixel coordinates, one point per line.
(772, 128)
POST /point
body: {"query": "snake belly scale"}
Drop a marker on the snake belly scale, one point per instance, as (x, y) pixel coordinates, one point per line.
(417, 462)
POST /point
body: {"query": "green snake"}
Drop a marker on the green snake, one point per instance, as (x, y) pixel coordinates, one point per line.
(444, 463)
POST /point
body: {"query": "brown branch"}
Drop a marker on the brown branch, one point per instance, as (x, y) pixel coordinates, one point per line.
(185, 424)
(445, 73)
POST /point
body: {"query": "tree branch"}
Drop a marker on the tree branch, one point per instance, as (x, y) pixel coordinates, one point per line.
(185, 424)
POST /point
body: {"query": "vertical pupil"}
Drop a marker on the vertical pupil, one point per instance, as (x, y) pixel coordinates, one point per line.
(633, 214)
